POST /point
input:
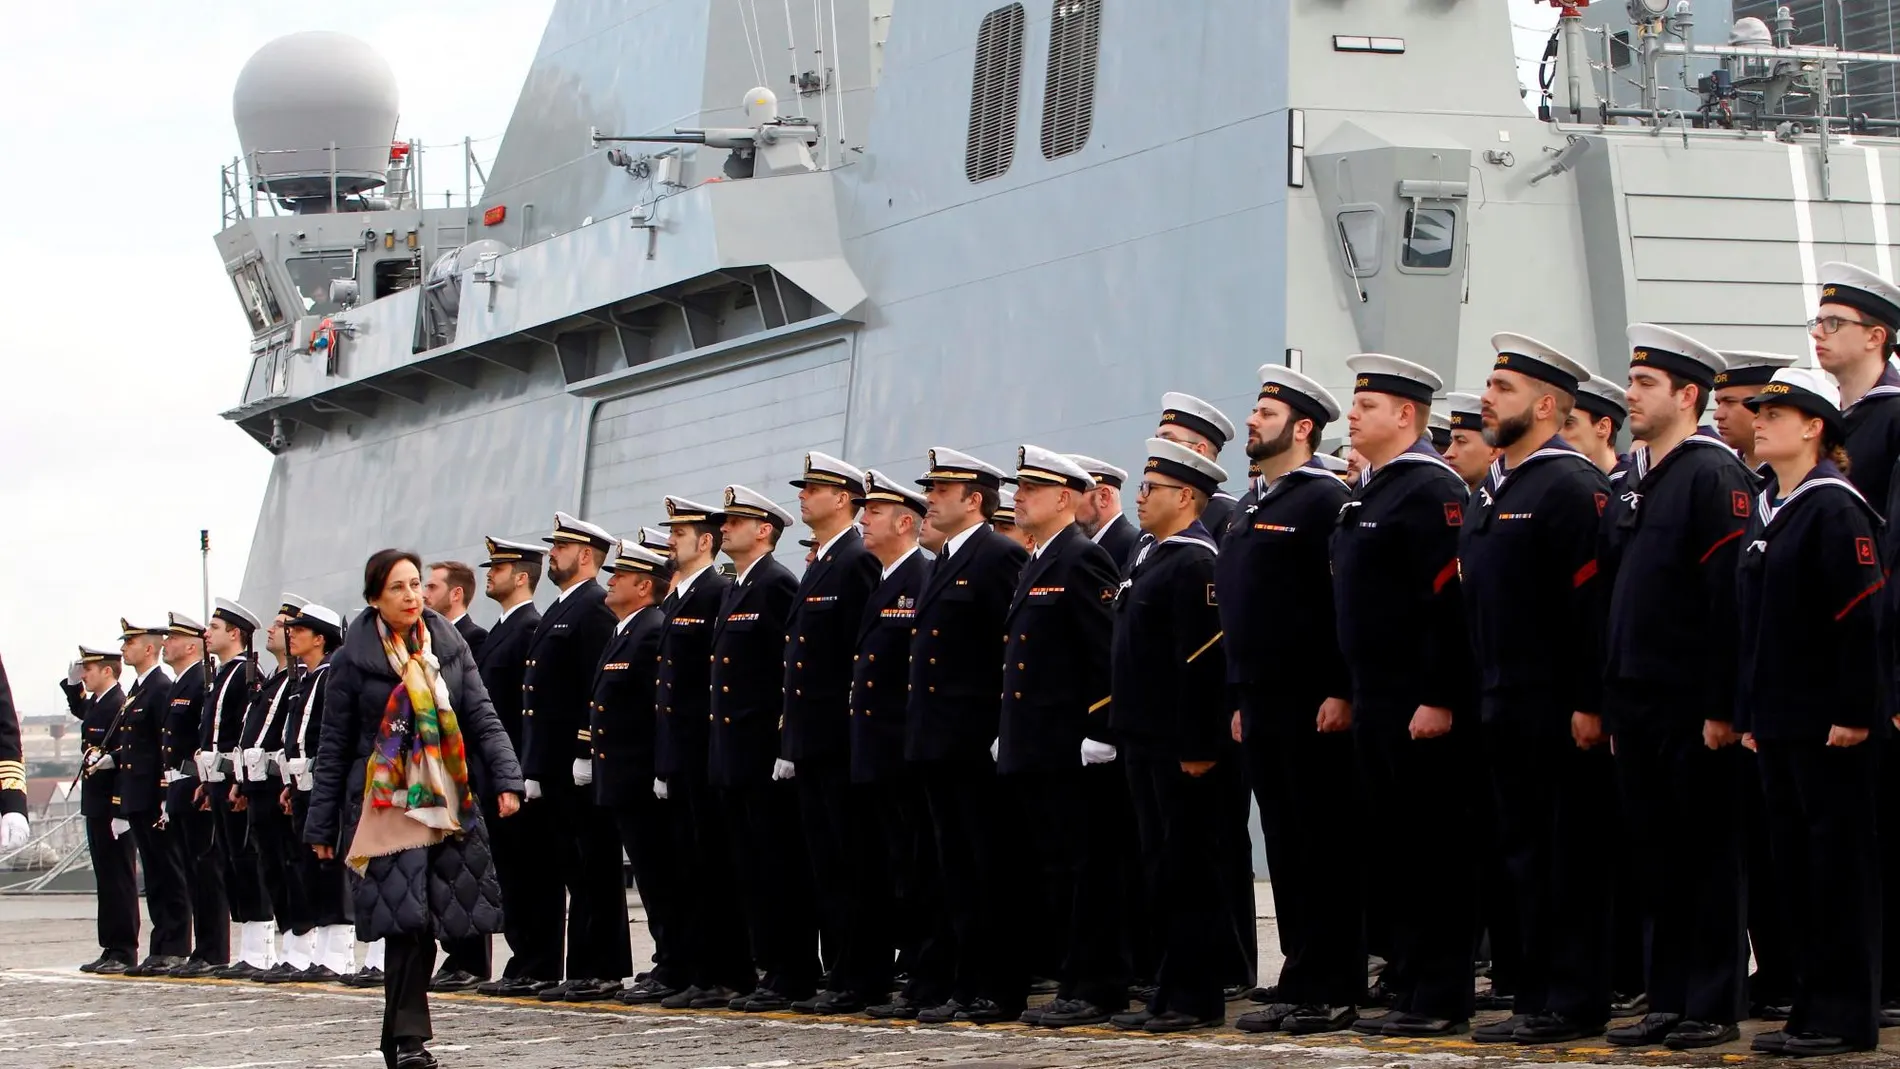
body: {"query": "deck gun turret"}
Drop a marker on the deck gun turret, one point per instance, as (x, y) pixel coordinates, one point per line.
(776, 145)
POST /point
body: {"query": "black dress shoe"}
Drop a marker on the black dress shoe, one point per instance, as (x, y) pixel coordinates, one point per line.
(93, 965)
(1890, 1015)
(683, 998)
(1773, 1041)
(556, 992)
(897, 1009)
(1070, 1013)
(1419, 1026)
(1380, 995)
(645, 991)
(192, 969)
(370, 977)
(281, 973)
(1265, 995)
(708, 998)
(1554, 1028)
(1177, 1021)
(1817, 1045)
(1489, 1001)
(589, 990)
(1504, 1031)
(1653, 1028)
(1375, 1024)
(764, 1000)
(1629, 1005)
(1269, 1018)
(1042, 985)
(1235, 993)
(1133, 1020)
(1772, 1011)
(985, 1011)
(459, 980)
(417, 1057)
(512, 987)
(1694, 1035)
(156, 965)
(833, 1003)
(1312, 1020)
(1143, 993)
(111, 966)
(319, 974)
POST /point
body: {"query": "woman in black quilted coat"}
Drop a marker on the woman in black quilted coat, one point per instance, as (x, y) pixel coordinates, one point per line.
(409, 731)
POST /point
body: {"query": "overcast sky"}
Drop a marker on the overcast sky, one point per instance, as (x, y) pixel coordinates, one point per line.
(123, 340)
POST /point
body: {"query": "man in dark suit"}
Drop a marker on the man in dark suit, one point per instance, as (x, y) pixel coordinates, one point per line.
(956, 677)
(450, 588)
(1099, 512)
(561, 661)
(514, 570)
(1054, 750)
(815, 739)
(748, 658)
(195, 827)
(95, 698)
(142, 800)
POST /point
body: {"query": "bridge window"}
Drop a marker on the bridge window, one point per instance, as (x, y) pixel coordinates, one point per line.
(254, 292)
(1430, 239)
(995, 91)
(1068, 103)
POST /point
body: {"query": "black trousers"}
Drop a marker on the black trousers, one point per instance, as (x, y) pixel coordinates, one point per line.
(1823, 826)
(713, 941)
(197, 831)
(167, 897)
(271, 841)
(774, 884)
(1498, 935)
(117, 877)
(979, 858)
(243, 881)
(548, 866)
(1889, 786)
(408, 961)
(852, 909)
(1073, 906)
(917, 921)
(1629, 937)
(1241, 967)
(1687, 799)
(1429, 900)
(1556, 806)
(652, 845)
(1178, 823)
(598, 937)
(1306, 785)
(1773, 981)
(317, 886)
(512, 843)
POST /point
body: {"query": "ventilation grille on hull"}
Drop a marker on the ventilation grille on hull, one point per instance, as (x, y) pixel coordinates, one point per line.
(994, 93)
(1068, 103)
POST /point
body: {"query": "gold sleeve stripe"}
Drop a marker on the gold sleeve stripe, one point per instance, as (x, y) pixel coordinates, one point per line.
(1101, 703)
(584, 735)
(1206, 646)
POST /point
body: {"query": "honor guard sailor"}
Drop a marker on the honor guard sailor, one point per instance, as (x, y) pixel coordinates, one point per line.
(95, 698)
(1401, 630)
(229, 637)
(1100, 510)
(1468, 455)
(1004, 519)
(261, 785)
(1438, 428)
(1528, 571)
(1737, 384)
(1853, 331)
(1669, 552)
(141, 770)
(315, 920)
(1294, 705)
(1595, 419)
(1168, 708)
(196, 828)
(1187, 420)
(1809, 580)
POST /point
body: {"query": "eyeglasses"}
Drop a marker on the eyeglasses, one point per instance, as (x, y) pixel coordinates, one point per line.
(1149, 486)
(1832, 324)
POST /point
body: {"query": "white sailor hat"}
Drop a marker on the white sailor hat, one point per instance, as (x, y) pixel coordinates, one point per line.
(1603, 399)
(291, 603)
(1006, 508)
(1528, 356)
(823, 469)
(1038, 465)
(1186, 410)
(1862, 290)
(1104, 473)
(1807, 389)
(130, 630)
(1379, 373)
(950, 466)
(880, 487)
(1749, 368)
(321, 619)
(655, 539)
(571, 529)
(1674, 352)
(502, 551)
(1177, 461)
(636, 559)
(96, 655)
(1465, 411)
(680, 510)
(180, 624)
(1336, 465)
(746, 502)
(234, 614)
(1438, 421)
(1302, 394)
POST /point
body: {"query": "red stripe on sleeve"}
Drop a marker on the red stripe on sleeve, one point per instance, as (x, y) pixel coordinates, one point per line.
(1719, 543)
(1445, 575)
(1584, 574)
(1860, 597)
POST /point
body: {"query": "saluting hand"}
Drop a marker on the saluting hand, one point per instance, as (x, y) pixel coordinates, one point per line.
(1335, 715)
(1840, 736)
(1586, 730)
(507, 803)
(1431, 721)
(1718, 733)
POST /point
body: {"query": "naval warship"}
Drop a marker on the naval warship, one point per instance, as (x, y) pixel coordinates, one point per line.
(719, 233)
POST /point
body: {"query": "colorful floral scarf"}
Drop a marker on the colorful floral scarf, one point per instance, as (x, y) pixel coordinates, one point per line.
(415, 785)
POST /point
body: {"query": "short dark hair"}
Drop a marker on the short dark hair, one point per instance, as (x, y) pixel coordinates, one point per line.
(1677, 384)
(530, 567)
(697, 529)
(376, 570)
(777, 532)
(991, 499)
(460, 577)
(329, 644)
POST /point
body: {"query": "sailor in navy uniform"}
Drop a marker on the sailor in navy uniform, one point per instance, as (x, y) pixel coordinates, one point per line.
(141, 775)
(261, 785)
(228, 637)
(656, 540)
(1100, 510)
(1055, 694)
(899, 896)
(1169, 711)
(1596, 419)
(316, 917)
(1438, 428)
(956, 683)
(514, 570)
(718, 965)
(1401, 629)
(195, 827)
(1747, 372)
(1003, 521)
(620, 759)
(98, 702)
(1528, 571)
(1670, 543)
(1853, 331)
(1187, 420)
(15, 829)
(1469, 454)
(1294, 705)
(743, 762)
(1808, 582)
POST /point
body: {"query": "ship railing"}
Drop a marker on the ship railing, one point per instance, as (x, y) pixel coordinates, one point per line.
(56, 847)
(244, 182)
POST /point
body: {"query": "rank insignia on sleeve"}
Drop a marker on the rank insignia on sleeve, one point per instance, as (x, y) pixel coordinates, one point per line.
(1738, 501)
(1864, 550)
(1603, 502)
(1210, 595)
(1454, 514)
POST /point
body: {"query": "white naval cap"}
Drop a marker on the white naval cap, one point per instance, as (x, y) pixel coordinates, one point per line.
(950, 466)
(1465, 411)
(636, 559)
(1808, 389)
(234, 614)
(290, 603)
(823, 469)
(680, 510)
(1104, 473)
(180, 624)
(1674, 352)
(1038, 465)
(1177, 461)
(1189, 411)
(571, 529)
(321, 619)
(1438, 421)
(130, 630)
(1005, 508)
(97, 655)
(1336, 465)
(743, 501)
(1528, 356)
(1603, 399)
(1302, 394)
(881, 487)
(1746, 367)
(503, 551)
(1379, 373)
(1860, 289)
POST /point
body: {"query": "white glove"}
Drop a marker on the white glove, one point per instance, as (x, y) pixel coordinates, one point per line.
(120, 826)
(14, 830)
(783, 769)
(583, 772)
(659, 789)
(996, 746)
(1096, 753)
(104, 763)
(532, 791)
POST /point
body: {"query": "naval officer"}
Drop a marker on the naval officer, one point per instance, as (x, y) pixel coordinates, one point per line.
(1187, 420)
(141, 771)
(261, 786)
(1100, 510)
(1401, 629)
(196, 828)
(815, 736)
(1294, 705)
(1668, 555)
(1593, 422)
(1169, 710)
(228, 637)
(96, 699)
(1738, 383)
(1528, 571)
(1469, 455)
(1003, 520)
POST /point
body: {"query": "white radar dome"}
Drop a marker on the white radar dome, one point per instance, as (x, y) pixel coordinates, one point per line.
(300, 94)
